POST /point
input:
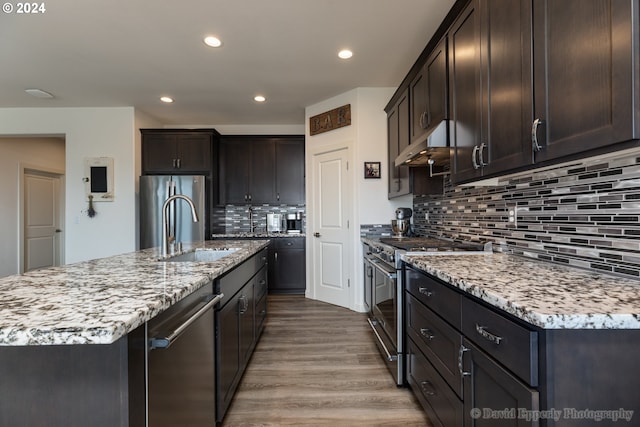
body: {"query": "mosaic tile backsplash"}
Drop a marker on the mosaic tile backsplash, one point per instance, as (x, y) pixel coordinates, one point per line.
(586, 214)
(235, 218)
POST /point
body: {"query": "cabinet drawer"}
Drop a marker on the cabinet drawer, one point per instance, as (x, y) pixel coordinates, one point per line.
(441, 404)
(437, 340)
(435, 295)
(288, 242)
(513, 345)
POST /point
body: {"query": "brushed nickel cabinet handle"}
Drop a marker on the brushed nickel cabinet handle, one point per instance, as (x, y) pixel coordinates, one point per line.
(484, 333)
(534, 135)
(427, 333)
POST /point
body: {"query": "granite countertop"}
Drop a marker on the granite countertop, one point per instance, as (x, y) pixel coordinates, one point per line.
(256, 235)
(543, 294)
(100, 301)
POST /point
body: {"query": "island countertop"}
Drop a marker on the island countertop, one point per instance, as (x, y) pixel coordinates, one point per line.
(543, 294)
(100, 301)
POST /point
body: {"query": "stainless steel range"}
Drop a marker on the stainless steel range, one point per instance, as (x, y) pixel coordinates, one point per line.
(384, 289)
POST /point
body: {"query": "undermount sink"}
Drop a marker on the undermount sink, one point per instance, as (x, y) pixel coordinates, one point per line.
(200, 255)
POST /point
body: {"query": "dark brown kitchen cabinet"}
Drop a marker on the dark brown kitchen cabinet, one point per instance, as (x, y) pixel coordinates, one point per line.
(487, 385)
(287, 271)
(490, 88)
(469, 362)
(398, 139)
(290, 170)
(586, 67)
(177, 152)
(261, 170)
(238, 325)
(247, 170)
(428, 93)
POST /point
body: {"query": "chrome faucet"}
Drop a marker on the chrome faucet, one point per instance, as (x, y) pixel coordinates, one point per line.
(166, 237)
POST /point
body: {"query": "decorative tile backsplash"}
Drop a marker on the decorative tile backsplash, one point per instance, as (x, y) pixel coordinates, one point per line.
(586, 214)
(235, 218)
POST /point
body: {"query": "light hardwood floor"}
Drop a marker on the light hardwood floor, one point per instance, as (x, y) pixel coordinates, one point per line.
(317, 365)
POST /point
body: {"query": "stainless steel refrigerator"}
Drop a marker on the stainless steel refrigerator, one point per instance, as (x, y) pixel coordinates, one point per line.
(154, 190)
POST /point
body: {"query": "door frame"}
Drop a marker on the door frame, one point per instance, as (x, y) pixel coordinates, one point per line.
(25, 168)
(310, 153)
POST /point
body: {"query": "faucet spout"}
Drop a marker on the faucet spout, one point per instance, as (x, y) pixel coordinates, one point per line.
(165, 220)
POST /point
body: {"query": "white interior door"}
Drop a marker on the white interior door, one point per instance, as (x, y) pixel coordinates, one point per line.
(330, 228)
(42, 216)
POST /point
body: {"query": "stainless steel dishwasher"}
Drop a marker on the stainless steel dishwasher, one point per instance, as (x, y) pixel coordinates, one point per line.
(181, 363)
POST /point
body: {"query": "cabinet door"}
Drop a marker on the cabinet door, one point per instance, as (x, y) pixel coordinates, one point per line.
(290, 171)
(464, 93)
(505, 34)
(488, 386)
(234, 171)
(397, 137)
(287, 264)
(159, 153)
(262, 172)
(177, 152)
(418, 105)
(436, 85)
(428, 93)
(246, 321)
(194, 152)
(228, 353)
(586, 60)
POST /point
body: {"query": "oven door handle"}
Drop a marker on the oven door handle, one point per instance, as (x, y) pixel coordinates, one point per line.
(390, 358)
(389, 274)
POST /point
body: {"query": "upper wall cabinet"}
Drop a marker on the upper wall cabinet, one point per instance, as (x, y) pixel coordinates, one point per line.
(579, 93)
(490, 88)
(585, 75)
(428, 93)
(397, 140)
(290, 170)
(261, 170)
(177, 152)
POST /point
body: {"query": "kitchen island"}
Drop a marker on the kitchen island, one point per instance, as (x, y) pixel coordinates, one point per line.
(528, 341)
(73, 338)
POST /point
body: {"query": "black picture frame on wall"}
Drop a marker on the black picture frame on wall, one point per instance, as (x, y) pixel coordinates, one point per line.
(371, 170)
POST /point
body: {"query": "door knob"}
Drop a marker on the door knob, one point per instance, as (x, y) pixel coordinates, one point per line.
(316, 234)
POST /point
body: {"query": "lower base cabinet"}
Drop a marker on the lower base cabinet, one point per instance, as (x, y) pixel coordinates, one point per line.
(287, 272)
(239, 323)
(508, 372)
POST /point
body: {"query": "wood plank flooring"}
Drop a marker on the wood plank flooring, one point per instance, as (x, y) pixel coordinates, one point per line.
(317, 365)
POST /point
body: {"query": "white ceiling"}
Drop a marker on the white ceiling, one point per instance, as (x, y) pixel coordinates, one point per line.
(105, 53)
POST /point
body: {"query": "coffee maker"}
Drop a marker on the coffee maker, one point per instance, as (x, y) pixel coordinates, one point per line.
(294, 223)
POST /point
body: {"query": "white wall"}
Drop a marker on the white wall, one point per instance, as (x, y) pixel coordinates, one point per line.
(88, 132)
(367, 137)
(41, 153)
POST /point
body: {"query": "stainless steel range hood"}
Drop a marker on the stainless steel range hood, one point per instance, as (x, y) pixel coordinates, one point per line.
(434, 147)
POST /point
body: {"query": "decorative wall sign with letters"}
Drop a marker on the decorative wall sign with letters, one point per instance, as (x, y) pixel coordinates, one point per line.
(334, 119)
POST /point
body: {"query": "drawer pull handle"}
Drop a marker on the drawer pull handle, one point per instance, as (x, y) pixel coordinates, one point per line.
(425, 292)
(482, 330)
(460, 356)
(430, 391)
(427, 333)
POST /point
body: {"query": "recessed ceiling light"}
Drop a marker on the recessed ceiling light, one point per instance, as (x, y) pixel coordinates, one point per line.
(166, 99)
(345, 54)
(38, 93)
(212, 41)
(259, 98)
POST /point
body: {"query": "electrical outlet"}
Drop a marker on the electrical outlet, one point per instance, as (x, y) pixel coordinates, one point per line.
(426, 216)
(512, 215)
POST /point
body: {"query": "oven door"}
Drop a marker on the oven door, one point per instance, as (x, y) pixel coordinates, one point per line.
(384, 314)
